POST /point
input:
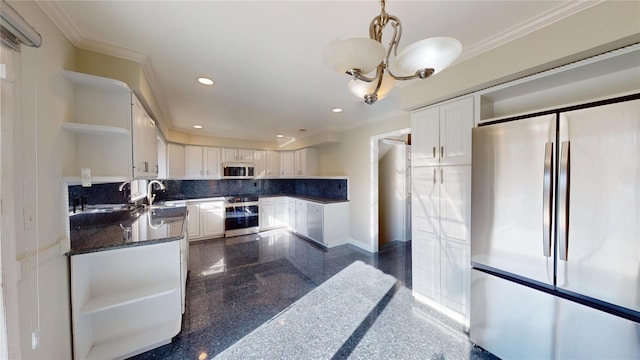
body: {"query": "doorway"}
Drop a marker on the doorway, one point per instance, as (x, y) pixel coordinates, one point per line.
(390, 180)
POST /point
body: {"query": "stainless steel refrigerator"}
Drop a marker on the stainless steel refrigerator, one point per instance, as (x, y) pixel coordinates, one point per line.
(555, 233)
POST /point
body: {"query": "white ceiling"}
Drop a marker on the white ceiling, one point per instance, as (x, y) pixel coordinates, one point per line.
(266, 56)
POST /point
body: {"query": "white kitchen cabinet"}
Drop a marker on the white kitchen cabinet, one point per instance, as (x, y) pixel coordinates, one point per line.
(273, 212)
(162, 158)
(205, 219)
(193, 221)
(306, 162)
(441, 214)
(260, 163)
(287, 164)
(125, 301)
(229, 154)
(212, 218)
(202, 162)
(441, 135)
(325, 223)
(301, 217)
(175, 161)
(267, 213)
(273, 164)
(291, 211)
(145, 143)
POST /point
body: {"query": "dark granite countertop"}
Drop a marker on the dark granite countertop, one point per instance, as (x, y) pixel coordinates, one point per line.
(91, 231)
(317, 199)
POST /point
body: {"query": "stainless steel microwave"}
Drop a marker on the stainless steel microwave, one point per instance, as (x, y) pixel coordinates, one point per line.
(237, 171)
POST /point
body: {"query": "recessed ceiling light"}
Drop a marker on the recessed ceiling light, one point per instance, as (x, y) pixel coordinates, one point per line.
(279, 135)
(197, 126)
(205, 81)
(336, 110)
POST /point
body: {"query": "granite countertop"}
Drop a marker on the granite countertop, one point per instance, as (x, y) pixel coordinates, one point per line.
(100, 231)
(318, 199)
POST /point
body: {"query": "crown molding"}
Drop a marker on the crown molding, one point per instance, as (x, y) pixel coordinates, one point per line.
(61, 20)
(560, 12)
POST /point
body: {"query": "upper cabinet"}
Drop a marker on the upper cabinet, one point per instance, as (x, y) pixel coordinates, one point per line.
(229, 154)
(145, 142)
(306, 162)
(202, 162)
(108, 121)
(443, 134)
(273, 164)
(175, 161)
(287, 163)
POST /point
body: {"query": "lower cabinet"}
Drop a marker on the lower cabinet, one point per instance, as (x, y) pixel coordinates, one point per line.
(325, 223)
(205, 219)
(273, 212)
(125, 301)
(441, 198)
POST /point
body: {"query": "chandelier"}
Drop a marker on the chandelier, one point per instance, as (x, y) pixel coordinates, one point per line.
(358, 57)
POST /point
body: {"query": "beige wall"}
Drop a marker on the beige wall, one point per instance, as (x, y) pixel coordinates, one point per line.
(44, 102)
(352, 157)
(601, 28)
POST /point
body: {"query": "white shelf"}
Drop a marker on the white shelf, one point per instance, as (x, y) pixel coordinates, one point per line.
(96, 81)
(128, 344)
(128, 297)
(90, 129)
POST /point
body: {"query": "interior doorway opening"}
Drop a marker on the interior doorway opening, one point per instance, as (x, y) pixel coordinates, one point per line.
(390, 178)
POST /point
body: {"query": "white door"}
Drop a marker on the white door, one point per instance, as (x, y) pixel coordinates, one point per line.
(193, 162)
(211, 162)
(212, 218)
(455, 268)
(455, 203)
(273, 163)
(175, 161)
(193, 221)
(245, 155)
(456, 121)
(287, 167)
(425, 144)
(301, 217)
(260, 163)
(229, 155)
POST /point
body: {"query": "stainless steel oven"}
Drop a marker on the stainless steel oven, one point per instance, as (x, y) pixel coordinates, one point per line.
(241, 215)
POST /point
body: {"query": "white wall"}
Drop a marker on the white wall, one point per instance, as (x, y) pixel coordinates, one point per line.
(38, 291)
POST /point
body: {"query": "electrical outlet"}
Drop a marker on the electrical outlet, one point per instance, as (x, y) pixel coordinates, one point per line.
(35, 339)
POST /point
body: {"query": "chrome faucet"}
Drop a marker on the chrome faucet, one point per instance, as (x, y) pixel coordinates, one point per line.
(150, 196)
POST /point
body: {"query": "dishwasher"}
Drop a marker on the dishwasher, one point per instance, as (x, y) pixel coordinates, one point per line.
(314, 221)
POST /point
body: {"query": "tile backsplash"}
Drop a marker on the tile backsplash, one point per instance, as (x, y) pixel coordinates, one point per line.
(331, 189)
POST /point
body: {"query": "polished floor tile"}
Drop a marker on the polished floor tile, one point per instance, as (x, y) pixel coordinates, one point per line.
(235, 285)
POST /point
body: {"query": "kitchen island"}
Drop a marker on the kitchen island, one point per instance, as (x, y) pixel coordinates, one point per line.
(128, 272)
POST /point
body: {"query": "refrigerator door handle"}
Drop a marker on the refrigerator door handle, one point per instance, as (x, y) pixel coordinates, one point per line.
(547, 194)
(563, 201)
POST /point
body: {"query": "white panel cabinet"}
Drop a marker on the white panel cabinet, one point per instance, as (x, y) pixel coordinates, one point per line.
(202, 162)
(273, 164)
(441, 210)
(325, 223)
(306, 162)
(442, 134)
(274, 212)
(301, 217)
(260, 163)
(175, 161)
(205, 219)
(287, 164)
(145, 150)
(229, 154)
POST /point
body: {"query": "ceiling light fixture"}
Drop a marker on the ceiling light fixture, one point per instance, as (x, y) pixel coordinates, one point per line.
(205, 81)
(279, 135)
(358, 57)
(197, 126)
(336, 110)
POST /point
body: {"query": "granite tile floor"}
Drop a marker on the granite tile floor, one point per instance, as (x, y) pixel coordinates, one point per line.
(237, 284)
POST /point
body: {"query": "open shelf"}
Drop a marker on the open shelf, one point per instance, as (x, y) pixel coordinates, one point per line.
(90, 129)
(129, 344)
(127, 297)
(96, 81)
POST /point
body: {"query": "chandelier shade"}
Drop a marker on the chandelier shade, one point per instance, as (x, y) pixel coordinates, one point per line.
(362, 88)
(436, 53)
(357, 57)
(363, 54)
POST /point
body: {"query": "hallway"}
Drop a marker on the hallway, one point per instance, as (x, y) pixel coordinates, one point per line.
(237, 284)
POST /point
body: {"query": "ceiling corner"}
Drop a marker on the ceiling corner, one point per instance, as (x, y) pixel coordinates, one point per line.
(61, 20)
